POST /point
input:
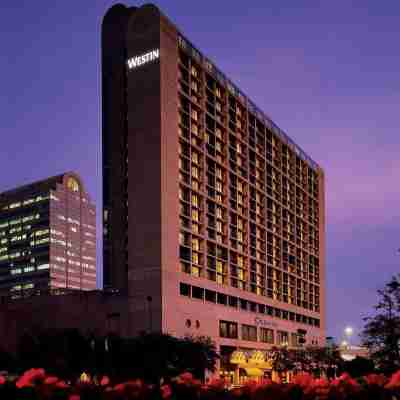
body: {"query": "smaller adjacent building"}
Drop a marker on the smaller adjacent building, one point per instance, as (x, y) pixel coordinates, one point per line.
(47, 237)
(349, 353)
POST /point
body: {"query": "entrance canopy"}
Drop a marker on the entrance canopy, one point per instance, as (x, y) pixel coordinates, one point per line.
(254, 372)
(255, 359)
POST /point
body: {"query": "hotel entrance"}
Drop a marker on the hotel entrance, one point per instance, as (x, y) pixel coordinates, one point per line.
(239, 366)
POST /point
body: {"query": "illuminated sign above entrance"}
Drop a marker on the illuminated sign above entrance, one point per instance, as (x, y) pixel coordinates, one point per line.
(263, 322)
(143, 59)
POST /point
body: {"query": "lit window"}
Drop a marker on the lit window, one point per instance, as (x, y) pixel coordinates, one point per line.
(73, 185)
(194, 71)
(195, 244)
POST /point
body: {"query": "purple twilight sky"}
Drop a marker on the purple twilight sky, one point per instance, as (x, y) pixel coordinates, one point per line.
(327, 72)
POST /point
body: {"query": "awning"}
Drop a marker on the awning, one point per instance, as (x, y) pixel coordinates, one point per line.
(256, 357)
(254, 372)
(238, 357)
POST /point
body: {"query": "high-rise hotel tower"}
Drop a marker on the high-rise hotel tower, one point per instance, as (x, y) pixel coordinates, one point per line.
(213, 217)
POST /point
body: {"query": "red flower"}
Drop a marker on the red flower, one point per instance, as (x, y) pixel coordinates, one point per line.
(61, 385)
(2, 380)
(29, 377)
(51, 380)
(105, 381)
(375, 379)
(320, 383)
(74, 397)
(166, 391)
(120, 387)
(186, 377)
(394, 382)
(217, 384)
(303, 379)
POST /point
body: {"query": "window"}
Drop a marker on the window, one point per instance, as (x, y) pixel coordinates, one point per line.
(210, 295)
(228, 329)
(73, 185)
(294, 339)
(253, 306)
(283, 338)
(249, 332)
(233, 301)
(184, 289)
(197, 292)
(221, 298)
(267, 335)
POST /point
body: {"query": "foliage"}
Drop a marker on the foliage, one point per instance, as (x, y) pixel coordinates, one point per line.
(316, 360)
(36, 384)
(359, 366)
(150, 357)
(381, 333)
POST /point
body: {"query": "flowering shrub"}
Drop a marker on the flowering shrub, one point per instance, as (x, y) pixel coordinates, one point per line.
(34, 384)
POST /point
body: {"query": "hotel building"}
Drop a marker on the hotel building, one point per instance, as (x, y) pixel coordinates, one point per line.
(47, 237)
(213, 217)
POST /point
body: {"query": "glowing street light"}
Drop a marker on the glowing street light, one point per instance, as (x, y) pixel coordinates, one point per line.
(344, 343)
(348, 331)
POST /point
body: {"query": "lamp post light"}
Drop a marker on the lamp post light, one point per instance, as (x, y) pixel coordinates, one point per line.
(348, 331)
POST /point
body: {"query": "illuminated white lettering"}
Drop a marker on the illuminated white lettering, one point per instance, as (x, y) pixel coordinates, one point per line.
(137, 61)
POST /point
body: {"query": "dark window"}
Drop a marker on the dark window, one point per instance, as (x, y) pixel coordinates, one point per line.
(249, 332)
(243, 304)
(210, 295)
(221, 298)
(184, 253)
(253, 306)
(233, 301)
(228, 329)
(267, 335)
(184, 289)
(261, 308)
(197, 292)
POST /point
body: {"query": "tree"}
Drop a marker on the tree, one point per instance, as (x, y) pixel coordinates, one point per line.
(64, 352)
(315, 360)
(359, 366)
(381, 333)
(198, 354)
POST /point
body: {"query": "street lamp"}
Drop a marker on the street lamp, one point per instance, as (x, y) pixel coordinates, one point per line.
(348, 331)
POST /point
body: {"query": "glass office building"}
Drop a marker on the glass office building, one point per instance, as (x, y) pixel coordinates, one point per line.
(47, 237)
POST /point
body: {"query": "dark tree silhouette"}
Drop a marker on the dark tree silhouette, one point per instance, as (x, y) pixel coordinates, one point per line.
(381, 333)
